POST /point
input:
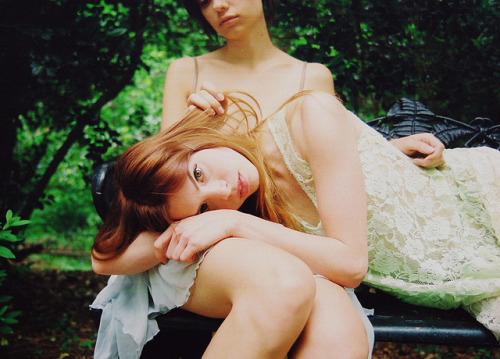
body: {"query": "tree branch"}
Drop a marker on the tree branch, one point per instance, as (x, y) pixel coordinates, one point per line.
(87, 115)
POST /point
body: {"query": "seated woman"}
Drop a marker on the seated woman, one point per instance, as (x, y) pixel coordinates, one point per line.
(320, 180)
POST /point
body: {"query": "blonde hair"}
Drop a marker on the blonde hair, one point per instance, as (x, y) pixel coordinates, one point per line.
(154, 168)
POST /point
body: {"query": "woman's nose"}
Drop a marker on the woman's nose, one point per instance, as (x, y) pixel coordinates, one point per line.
(219, 190)
(220, 5)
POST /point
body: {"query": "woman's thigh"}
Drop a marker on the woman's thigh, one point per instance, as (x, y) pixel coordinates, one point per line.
(237, 270)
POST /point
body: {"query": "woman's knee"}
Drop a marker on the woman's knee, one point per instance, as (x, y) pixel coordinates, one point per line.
(253, 276)
(282, 290)
(262, 291)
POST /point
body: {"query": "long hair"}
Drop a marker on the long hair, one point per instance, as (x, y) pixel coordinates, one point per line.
(148, 172)
(194, 10)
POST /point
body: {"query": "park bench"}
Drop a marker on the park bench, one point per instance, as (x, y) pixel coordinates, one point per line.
(184, 334)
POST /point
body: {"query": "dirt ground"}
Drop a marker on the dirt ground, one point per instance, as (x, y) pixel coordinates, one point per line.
(56, 324)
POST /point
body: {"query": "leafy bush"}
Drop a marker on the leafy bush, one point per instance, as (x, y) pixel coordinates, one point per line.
(443, 53)
(7, 238)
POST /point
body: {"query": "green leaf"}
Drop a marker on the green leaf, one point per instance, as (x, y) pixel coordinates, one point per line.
(117, 32)
(5, 298)
(5, 329)
(20, 222)
(8, 236)
(10, 321)
(6, 253)
(14, 313)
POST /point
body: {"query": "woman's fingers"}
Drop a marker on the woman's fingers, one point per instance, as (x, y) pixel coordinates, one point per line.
(210, 88)
(433, 152)
(207, 98)
(431, 161)
(175, 245)
(426, 148)
(162, 243)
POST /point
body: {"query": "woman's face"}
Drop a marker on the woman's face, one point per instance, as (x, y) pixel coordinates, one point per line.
(227, 15)
(217, 178)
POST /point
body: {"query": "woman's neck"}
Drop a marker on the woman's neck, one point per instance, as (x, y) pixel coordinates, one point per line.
(250, 50)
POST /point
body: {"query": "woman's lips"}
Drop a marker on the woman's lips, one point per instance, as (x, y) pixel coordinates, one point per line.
(243, 184)
(227, 20)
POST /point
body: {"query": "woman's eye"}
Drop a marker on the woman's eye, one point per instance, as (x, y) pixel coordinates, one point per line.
(203, 208)
(204, 3)
(198, 174)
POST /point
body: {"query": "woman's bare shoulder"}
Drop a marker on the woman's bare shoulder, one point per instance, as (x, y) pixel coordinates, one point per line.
(315, 119)
(318, 77)
(313, 111)
(179, 78)
(308, 103)
(183, 64)
(320, 70)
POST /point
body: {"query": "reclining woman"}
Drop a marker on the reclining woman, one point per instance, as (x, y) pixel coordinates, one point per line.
(319, 189)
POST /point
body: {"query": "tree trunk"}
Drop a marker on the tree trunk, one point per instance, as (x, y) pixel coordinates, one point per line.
(139, 14)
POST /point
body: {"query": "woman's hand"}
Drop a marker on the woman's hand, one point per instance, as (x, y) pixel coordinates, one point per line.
(426, 149)
(208, 97)
(184, 239)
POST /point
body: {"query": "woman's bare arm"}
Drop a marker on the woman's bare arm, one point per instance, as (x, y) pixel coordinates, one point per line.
(178, 87)
(138, 257)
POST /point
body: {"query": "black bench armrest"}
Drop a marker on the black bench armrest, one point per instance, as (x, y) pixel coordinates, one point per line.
(103, 188)
(407, 117)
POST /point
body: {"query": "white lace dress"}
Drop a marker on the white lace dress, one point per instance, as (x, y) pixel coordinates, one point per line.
(433, 234)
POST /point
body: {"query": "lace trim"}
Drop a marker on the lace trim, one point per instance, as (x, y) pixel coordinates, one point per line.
(297, 166)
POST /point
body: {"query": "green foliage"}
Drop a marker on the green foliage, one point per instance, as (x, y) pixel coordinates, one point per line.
(6, 234)
(442, 53)
(7, 237)
(70, 58)
(67, 219)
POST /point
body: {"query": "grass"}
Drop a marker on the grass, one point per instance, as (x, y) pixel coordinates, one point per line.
(65, 232)
(45, 261)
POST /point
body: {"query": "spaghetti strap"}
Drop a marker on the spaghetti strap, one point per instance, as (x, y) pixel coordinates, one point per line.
(195, 79)
(303, 77)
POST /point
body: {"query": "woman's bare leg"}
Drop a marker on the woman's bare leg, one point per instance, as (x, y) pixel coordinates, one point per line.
(265, 294)
(334, 328)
